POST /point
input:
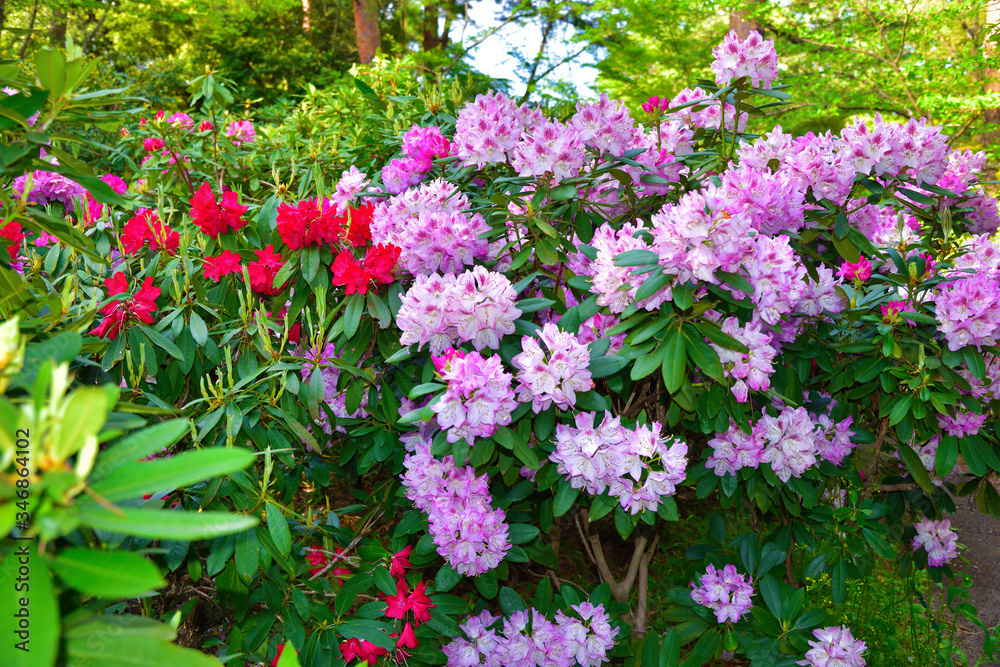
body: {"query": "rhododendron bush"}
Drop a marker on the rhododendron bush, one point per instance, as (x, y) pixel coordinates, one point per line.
(521, 337)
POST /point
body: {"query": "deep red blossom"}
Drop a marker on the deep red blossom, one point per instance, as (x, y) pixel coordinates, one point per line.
(404, 601)
(226, 263)
(306, 225)
(13, 233)
(263, 271)
(205, 126)
(407, 638)
(359, 649)
(140, 306)
(159, 115)
(359, 233)
(348, 272)
(380, 262)
(144, 228)
(152, 144)
(400, 561)
(212, 218)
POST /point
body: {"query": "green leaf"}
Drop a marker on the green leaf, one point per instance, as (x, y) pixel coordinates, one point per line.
(107, 574)
(840, 226)
(683, 296)
(84, 415)
(838, 582)
(137, 479)
(670, 650)
(651, 285)
(163, 524)
(702, 354)
(352, 314)
(637, 258)
(526, 454)
(900, 409)
(510, 601)
(946, 456)
(562, 193)
(534, 304)
(720, 338)
(847, 250)
(161, 342)
(565, 497)
(384, 580)
(277, 526)
(604, 366)
(139, 445)
(674, 360)
(136, 647)
(286, 271)
(522, 533)
(915, 466)
(247, 556)
(198, 329)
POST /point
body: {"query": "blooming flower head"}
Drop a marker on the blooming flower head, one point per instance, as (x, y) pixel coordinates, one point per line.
(425, 144)
(309, 223)
(263, 271)
(478, 397)
(554, 374)
(181, 120)
(860, 270)
(117, 185)
(13, 235)
(145, 228)
(152, 144)
(754, 57)
(725, 591)
(891, 311)
(362, 650)
(139, 306)
(241, 132)
(938, 539)
(226, 263)
(214, 218)
(834, 647)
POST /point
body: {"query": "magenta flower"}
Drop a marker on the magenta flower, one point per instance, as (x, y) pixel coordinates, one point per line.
(860, 271)
(726, 592)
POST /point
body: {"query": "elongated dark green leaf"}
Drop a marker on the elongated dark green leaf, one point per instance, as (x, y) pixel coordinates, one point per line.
(674, 360)
(636, 258)
(702, 354)
(720, 338)
(916, 467)
(277, 526)
(604, 366)
(42, 610)
(138, 445)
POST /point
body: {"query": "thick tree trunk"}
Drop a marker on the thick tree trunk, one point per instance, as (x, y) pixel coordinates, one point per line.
(57, 28)
(432, 12)
(742, 25)
(367, 29)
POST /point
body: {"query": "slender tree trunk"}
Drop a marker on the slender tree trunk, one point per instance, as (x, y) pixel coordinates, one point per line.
(432, 12)
(367, 29)
(3, 14)
(306, 16)
(991, 76)
(31, 26)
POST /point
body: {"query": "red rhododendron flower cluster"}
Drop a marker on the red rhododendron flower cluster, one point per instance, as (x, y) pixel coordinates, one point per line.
(401, 606)
(359, 233)
(140, 306)
(263, 271)
(146, 228)
(215, 218)
(12, 232)
(305, 224)
(226, 263)
(153, 144)
(379, 264)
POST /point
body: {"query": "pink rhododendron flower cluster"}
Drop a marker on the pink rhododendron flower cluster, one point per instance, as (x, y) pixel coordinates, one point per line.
(241, 132)
(792, 442)
(49, 187)
(938, 540)
(432, 227)
(441, 311)
(773, 201)
(754, 57)
(695, 237)
(554, 374)
(637, 467)
(604, 125)
(707, 116)
(725, 591)
(989, 386)
(777, 276)
(351, 184)
(425, 144)
(468, 532)
(968, 311)
(488, 129)
(834, 647)
(549, 148)
(859, 271)
(529, 639)
(962, 423)
(478, 397)
(912, 148)
(982, 255)
(751, 370)
(616, 285)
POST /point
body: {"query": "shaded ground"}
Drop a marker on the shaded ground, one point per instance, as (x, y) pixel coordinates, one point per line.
(981, 534)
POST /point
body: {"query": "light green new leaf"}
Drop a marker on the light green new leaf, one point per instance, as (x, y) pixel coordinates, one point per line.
(107, 574)
(139, 445)
(165, 525)
(137, 479)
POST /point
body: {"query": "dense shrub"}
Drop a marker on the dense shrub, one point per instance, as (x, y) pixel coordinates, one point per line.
(460, 338)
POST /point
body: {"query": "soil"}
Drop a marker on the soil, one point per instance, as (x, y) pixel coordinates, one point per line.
(980, 533)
